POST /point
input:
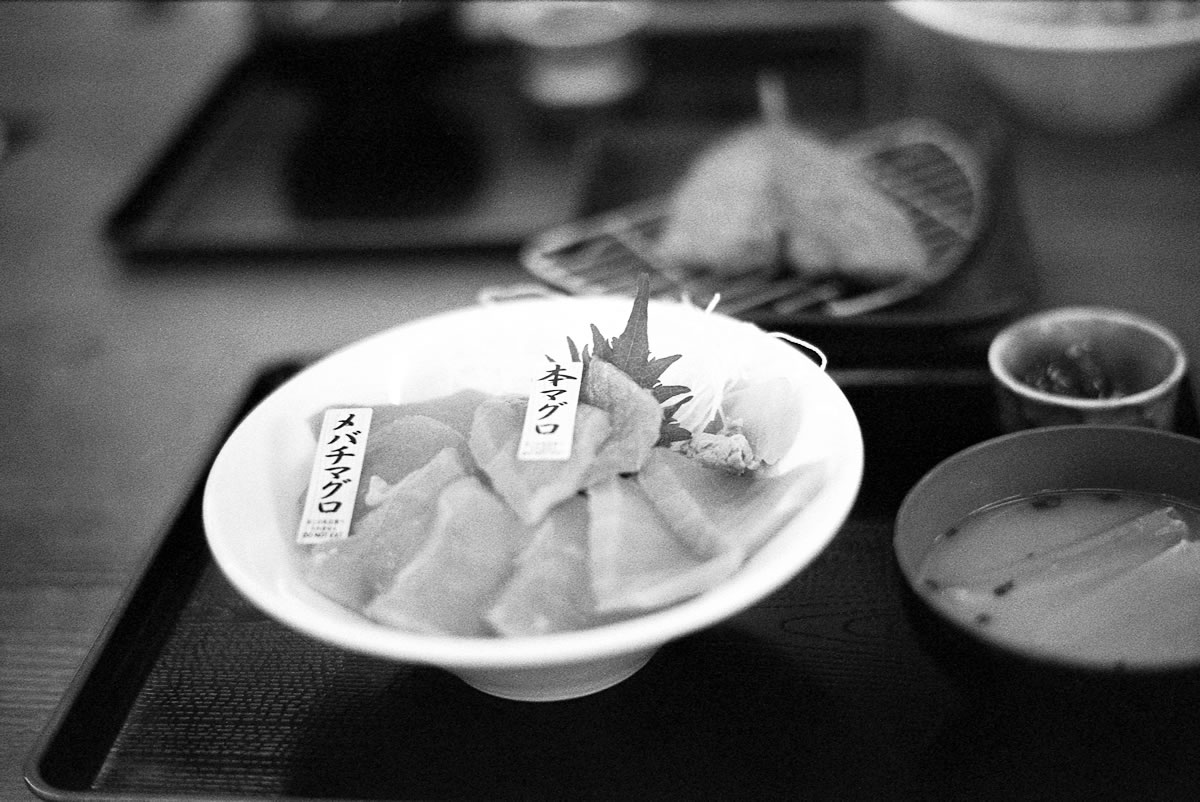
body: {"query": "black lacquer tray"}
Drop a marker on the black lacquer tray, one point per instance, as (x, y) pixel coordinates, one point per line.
(355, 149)
(822, 691)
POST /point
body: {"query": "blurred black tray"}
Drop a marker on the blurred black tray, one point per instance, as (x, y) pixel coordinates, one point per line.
(822, 691)
(995, 277)
(263, 172)
(450, 154)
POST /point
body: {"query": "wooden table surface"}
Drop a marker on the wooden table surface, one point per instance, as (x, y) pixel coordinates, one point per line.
(114, 385)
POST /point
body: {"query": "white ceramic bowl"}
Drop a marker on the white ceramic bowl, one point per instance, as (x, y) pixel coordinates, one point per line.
(251, 499)
(1090, 78)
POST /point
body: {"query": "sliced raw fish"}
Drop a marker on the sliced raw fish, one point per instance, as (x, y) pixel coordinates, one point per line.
(550, 591)
(355, 570)
(637, 562)
(533, 487)
(453, 579)
(455, 410)
(746, 509)
(659, 479)
(399, 447)
(635, 415)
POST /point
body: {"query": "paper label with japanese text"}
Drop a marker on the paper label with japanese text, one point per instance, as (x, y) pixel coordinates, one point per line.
(549, 427)
(336, 472)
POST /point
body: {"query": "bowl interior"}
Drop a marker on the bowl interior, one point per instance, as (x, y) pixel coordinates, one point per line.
(1052, 458)
(1137, 355)
(253, 493)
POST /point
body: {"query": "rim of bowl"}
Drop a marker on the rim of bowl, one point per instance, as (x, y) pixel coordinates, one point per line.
(1072, 313)
(1023, 651)
(963, 20)
(648, 631)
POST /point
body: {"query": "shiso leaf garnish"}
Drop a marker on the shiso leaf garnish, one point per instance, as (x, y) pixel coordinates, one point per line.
(630, 353)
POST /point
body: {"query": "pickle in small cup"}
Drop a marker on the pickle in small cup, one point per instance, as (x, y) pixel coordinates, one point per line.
(1076, 365)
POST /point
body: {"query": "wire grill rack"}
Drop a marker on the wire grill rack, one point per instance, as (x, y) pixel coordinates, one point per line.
(924, 167)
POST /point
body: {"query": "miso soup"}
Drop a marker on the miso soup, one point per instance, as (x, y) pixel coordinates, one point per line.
(1103, 577)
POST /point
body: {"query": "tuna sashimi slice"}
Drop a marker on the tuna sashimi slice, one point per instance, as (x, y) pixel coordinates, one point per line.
(663, 485)
(745, 510)
(455, 410)
(637, 562)
(635, 416)
(452, 581)
(355, 570)
(550, 591)
(399, 447)
(532, 488)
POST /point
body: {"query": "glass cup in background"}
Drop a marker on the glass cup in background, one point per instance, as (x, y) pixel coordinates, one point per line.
(576, 54)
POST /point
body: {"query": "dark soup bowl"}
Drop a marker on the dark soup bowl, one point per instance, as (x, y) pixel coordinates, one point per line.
(1062, 564)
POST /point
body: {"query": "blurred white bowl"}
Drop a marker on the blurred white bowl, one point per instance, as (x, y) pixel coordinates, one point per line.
(1073, 73)
(251, 501)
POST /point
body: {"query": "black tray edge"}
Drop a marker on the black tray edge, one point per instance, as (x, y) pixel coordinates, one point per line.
(147, 599)
(140, 607)
(124, 227)
(121, 228)
(133, 617)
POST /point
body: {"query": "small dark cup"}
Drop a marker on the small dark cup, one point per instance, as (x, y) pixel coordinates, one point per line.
(1125, 352)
